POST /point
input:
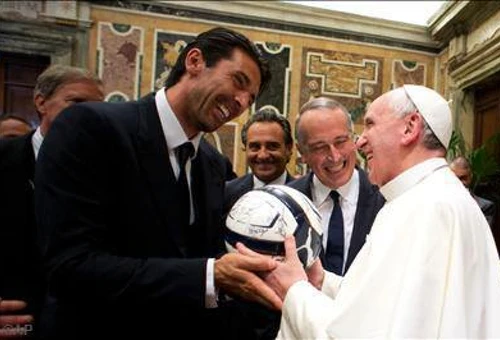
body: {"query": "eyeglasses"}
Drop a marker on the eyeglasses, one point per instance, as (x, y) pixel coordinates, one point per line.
(341, 144)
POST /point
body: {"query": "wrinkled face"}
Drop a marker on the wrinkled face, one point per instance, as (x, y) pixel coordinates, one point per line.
(463, 175)
(379, 141)
(328, 147)
(65, 95)
(13, 128)
(222, 92)
(266, 151)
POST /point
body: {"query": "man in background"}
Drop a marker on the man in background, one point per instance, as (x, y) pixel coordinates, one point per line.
(12, 126)
(346, 200)
(267, 140)
(20, 263)
(268, 144)
(461, 167)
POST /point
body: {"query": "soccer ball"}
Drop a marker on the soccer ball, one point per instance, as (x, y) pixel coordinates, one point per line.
(261, 218)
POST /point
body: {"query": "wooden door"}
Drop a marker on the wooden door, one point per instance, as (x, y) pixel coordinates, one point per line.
(487, 124)
(18, 73)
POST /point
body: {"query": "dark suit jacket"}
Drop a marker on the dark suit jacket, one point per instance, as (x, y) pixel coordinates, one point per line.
(370, 201)
(119, 262)
(487, 207)
(20, 262)
(240, 186)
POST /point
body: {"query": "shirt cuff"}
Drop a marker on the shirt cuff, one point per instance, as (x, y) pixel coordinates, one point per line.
(211, 294)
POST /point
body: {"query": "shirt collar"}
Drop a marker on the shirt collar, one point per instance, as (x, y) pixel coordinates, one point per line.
(172, 129)
(257, 183)
(410, 177)
(36, 141)
(348, 191)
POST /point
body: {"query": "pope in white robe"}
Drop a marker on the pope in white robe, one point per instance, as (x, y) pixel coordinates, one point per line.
(429, 269)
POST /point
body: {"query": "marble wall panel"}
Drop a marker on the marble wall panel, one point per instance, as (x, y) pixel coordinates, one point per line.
(352, 79)
(120, 51)
(277, 94)
(408, 72)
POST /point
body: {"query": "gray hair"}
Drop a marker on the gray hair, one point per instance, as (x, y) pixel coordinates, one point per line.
(402, 106)
(57, 75)
(321, 103)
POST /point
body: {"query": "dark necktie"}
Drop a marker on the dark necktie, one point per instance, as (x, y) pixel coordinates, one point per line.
(184, 152)
(334, 255)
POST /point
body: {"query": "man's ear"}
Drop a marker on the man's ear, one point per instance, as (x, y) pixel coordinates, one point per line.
(194, 61)
(413, 128)
(40, 104)
(303, 154)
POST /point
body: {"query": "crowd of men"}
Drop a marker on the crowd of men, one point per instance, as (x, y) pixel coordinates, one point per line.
(114, 221)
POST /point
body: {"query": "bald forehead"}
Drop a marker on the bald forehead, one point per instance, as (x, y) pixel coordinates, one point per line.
(322, 114)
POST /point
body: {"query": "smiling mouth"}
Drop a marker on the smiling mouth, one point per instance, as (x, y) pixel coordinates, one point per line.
(337, 167)
(224, 112)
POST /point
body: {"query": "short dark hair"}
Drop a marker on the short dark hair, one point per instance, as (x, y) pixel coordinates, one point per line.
(268, 114)
(216, 44)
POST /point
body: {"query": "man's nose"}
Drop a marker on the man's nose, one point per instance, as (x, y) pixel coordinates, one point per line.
(263, 152)
(243, 98)
(361, 142)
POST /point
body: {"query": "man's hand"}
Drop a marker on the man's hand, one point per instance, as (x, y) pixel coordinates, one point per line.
(13, 325)
(238, 274)
(316, 274)
(287, 272)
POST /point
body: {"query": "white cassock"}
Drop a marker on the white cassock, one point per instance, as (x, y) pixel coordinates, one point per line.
(429, 269)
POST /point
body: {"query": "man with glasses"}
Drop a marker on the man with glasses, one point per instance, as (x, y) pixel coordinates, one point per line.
(348, 203)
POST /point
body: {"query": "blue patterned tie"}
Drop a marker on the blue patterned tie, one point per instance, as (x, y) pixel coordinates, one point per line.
(334, 256)
(184, 152)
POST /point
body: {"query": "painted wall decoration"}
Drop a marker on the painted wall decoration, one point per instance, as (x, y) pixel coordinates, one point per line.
(277, 94)
(408, 72)
(353, 79)
(168, 46)
(119, 60)
(224, 139)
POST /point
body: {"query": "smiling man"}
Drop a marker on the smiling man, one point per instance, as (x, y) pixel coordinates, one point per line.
(347, 201)
(22, 284)
(129, 199)
(267, 139)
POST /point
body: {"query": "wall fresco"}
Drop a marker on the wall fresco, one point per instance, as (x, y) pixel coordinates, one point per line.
(120, 50)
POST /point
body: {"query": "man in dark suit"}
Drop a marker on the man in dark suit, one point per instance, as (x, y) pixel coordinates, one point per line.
(461, 167)
(267, 140)
(20, 263)
(324, 133)
(126, 255)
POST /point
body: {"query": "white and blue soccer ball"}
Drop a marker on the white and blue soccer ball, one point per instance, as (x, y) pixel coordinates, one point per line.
(262, 218)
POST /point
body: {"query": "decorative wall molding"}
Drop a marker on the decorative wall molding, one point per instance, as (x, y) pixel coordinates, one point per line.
(293, 18)
(39, 27)
(478, 64)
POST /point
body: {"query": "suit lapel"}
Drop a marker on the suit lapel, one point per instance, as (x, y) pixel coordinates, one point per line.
(209, 183)
(364, 216)
(156, 165)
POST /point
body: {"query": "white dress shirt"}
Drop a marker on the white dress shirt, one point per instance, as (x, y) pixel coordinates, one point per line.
(348, 198)
(257, 183)
(175, 136)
